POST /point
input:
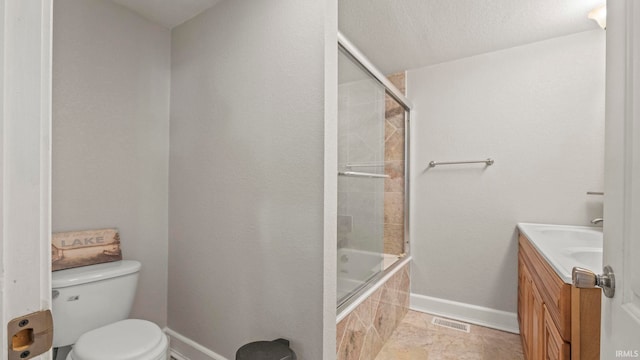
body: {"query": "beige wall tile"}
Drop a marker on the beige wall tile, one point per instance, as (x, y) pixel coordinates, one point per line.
(396, 118)
(398, 80)
(394, 146)
(394, 167)
(393, 239)
(362, 333)
(395, 181)
(394, 208)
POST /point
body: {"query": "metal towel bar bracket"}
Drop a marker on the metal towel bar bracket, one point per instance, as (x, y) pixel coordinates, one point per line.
(487, 162)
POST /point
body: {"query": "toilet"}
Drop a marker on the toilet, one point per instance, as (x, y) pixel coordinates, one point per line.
(90, 308)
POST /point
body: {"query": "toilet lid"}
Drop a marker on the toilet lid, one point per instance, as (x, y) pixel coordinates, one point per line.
(129, 339)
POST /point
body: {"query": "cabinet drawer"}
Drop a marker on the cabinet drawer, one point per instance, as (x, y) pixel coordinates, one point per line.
(554, 292)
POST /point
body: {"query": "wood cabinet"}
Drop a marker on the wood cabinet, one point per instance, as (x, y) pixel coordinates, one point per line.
(530, 313)
(557, 321)
(555, 348)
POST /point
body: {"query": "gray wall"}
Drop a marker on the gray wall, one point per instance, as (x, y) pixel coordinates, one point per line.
(111, 74)
(246, 176)
(538, 110)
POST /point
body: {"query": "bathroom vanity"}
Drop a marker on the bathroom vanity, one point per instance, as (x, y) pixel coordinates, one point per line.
(558, 320)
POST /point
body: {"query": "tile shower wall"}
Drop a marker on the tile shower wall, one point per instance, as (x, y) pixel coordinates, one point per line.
(361, 334)
(394, 161)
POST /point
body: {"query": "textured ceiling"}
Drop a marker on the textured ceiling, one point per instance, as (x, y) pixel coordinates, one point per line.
(408, 34)
(168, 13)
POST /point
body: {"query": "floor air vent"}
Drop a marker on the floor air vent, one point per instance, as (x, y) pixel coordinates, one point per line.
(455, 325)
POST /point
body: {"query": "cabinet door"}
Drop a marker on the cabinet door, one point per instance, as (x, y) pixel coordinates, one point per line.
(554, 347)
(525, 303)
(521, 289)
(537, 325)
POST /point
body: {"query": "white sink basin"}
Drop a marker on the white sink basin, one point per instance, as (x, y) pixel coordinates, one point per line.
(587, 256)
(569, 234)
(566, 246)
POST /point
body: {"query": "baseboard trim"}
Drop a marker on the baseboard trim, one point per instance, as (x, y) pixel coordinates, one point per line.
(478, 315)
(183, 348)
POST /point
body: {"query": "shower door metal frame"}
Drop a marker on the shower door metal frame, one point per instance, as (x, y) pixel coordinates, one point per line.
(368, 66)
(359, 59)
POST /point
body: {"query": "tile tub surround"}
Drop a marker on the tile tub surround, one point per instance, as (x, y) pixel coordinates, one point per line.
(417, 338)
(362, 333)
(394, 167)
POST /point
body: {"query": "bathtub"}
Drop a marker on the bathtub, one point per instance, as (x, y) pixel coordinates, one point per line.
(354, 266)
(377, 307)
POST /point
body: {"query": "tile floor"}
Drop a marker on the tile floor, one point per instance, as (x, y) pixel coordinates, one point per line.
(417, 339)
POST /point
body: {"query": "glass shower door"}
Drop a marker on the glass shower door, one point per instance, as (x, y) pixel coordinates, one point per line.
(361, 174)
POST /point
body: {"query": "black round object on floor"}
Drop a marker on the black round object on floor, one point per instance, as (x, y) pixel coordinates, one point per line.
(266, 350)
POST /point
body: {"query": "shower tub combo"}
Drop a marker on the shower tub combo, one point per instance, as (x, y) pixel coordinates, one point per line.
(373, 253)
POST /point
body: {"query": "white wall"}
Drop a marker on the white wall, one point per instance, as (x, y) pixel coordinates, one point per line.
(111, 74)
(538, 110)
(246, 176)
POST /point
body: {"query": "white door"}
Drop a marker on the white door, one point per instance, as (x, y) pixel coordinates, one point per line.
(25, 153)
(620, 336)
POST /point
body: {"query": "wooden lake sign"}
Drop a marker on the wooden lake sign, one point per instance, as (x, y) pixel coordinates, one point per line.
(81, 248)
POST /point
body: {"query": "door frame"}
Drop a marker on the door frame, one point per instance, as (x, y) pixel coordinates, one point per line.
(25, 160)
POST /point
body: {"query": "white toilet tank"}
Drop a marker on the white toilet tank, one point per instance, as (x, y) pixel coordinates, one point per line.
(88, 297)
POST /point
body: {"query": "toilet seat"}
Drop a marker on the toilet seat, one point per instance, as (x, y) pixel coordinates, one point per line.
(130, 339)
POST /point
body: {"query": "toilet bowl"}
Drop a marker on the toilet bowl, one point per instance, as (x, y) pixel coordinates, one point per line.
(130, 339)
(90, 309)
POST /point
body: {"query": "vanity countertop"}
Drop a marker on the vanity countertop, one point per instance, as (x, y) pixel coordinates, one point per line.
(566, 246)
